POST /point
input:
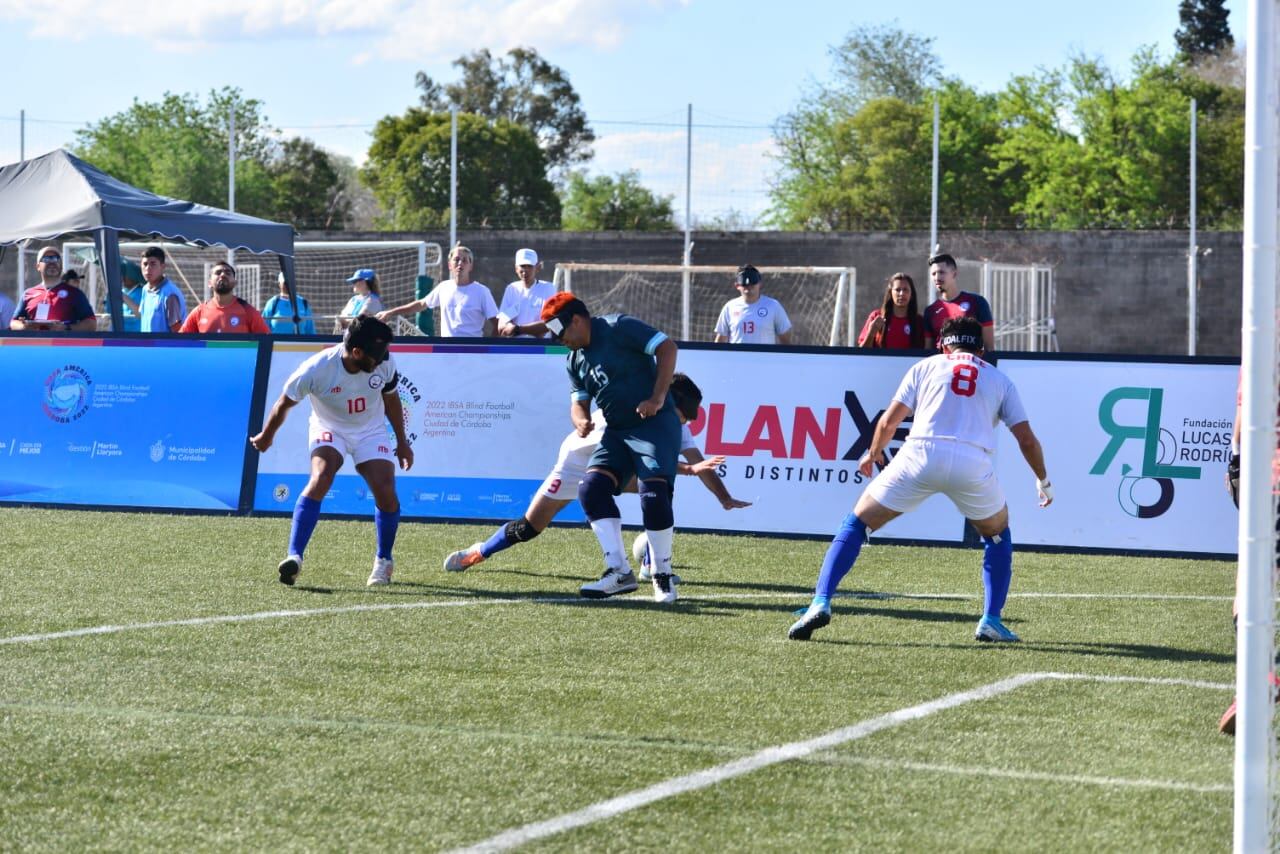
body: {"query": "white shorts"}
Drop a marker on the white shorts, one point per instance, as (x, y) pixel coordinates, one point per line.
(571, 466)
(373, 443)
(923, 467)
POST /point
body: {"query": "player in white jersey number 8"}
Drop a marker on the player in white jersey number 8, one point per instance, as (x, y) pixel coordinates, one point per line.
(957, 398)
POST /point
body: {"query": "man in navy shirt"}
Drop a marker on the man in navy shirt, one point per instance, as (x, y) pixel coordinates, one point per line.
(625, 366)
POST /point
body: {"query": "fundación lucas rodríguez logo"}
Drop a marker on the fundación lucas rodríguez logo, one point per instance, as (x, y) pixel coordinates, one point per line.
(1147, 490)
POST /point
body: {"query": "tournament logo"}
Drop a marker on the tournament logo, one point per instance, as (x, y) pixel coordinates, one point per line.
(409, 395)
(66, 393)
(1146, 491)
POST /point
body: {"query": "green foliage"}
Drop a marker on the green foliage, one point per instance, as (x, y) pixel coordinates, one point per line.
(1202, 29)
(177, 147)
(607, 203)
(523, 88)
(1090, 150)
(1075, 147)
(502, 173)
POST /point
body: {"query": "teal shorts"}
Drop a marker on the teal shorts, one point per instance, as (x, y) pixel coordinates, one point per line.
(647, 451)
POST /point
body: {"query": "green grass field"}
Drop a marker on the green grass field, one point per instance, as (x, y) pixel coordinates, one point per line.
(447, 709)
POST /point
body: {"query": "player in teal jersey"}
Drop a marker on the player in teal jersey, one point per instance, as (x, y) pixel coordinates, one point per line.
(625, 366)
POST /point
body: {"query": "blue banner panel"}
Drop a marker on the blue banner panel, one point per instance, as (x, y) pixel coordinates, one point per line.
(160, 423)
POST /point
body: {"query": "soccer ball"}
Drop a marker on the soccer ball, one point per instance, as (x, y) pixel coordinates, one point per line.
(640, 549)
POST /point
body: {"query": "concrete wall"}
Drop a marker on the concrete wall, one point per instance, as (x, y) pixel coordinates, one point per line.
(1117, 292)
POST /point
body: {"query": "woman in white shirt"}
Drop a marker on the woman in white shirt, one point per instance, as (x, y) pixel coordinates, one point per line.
(467, 308)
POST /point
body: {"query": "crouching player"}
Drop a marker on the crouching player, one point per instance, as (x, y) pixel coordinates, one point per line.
(957, 398)
(560, 487)
(352, 387)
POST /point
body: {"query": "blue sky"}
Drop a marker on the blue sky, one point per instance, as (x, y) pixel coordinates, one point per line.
(329, 70)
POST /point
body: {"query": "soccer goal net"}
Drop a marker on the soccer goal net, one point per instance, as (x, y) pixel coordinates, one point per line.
(686, 301)
(1022, 300)
(322, 268)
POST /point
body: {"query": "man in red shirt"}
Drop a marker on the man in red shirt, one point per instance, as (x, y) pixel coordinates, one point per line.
(224, 311)
(953, 302)
(55, 303)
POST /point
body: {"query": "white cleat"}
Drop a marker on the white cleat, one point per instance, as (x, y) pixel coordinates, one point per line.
(664, 588)
(613, 582)
(382, 569)
(459, 561)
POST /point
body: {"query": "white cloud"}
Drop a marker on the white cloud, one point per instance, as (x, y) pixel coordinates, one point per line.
(731, 166)
(396, 29)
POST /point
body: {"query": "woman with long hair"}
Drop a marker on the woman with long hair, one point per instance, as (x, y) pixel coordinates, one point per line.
(897, 324)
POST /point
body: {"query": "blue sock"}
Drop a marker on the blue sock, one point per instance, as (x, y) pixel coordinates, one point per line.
(997, 571)
(841, 554)
(305, 515)
(386, 525)
(497, 542)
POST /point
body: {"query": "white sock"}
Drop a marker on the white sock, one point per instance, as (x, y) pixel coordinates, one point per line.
(609, 533)
(660, 550)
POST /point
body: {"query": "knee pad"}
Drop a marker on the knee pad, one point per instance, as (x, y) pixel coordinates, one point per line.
(655, 504)
(596, 496)
(520, 531)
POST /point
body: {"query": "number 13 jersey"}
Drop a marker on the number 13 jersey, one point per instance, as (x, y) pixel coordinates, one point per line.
(959, 396)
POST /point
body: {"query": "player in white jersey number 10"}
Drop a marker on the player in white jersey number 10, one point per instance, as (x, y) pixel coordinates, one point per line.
(353, 391)
(957, 398)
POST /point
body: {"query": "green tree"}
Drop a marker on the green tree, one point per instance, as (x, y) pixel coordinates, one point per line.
(1203, 30)
(1089, 150)
(608, 203)
(523, 88)
(177, 147)
(883, 62)
(502, 173)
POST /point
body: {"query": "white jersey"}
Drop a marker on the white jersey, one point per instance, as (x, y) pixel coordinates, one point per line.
(340, 400)
(760, 322)
(522, 305)
(463, 308)
(959, 396)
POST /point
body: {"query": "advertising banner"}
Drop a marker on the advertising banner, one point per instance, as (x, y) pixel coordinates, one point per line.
(485, 423)
(1136, 451)
(155, 422)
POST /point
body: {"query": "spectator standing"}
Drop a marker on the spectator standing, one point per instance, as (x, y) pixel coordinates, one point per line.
(278, 312)
(953, 302)
(7, 308)
(522, 302)
(56, 303)
(365, 300)
(896, 324)
(131, 283)
(956, 398)
(224, 311)
(752, 318)
(467, 309)
(162, 308)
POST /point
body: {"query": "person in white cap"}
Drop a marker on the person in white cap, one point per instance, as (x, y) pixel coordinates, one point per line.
(522, 302)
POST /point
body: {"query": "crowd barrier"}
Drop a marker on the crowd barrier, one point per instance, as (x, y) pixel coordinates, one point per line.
(1136, 448)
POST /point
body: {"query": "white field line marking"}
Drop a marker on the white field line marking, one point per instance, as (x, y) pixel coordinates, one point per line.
(602, 810)
(1036, 776)
(550, 600)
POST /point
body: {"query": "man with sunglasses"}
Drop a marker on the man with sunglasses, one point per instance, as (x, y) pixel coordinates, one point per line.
(626, 367)
(54, 305)
(353, 391)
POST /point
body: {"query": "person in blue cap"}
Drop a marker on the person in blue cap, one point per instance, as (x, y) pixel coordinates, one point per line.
(364, 299)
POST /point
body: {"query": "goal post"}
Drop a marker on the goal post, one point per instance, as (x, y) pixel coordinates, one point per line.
(322, 269)
(686, 299)
(1256, 816)
(1022, 298)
